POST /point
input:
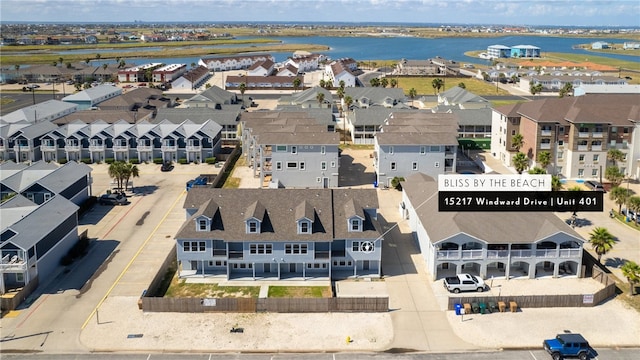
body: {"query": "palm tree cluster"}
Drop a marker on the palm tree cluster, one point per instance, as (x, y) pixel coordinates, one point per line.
(566, 90)
(437, 84)
(631, 271)
(122, 172)
(601, 241)
(535, 89)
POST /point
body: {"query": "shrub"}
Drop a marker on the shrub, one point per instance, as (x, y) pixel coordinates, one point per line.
(182, 161)
(63, 161)
(210, 160)
(109, 160)
(134, 161)
(395, 182)
(86, 160)
(157, 161)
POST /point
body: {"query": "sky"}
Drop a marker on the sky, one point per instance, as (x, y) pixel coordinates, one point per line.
(624, 13)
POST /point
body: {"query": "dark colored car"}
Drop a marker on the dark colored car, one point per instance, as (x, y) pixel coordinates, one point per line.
(568, 345)
(113, 199)
(167, 166)
(200, 180)
(594, 185)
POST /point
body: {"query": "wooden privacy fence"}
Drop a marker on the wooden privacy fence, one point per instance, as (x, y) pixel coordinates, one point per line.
(276, 305)
(538, 301)
(11, 300)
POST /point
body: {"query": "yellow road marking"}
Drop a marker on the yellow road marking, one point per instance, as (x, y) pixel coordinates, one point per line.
(132, 260)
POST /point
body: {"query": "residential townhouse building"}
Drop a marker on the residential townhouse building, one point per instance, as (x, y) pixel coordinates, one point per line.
(289, 70)
(143, 103)
(364, 123)
(261, 82)
(228, 117)
(343, 70)
(225, 63)
(364, 97)
(22, 143)
(525, 51)
(306, 63)
(296, 234)
(578, 132)
(192, 79)
(168, 73)
(462, 99)
(6, 141)
(557, 82)
(416, 67)
(498, 51)
(415, 142)
(138, 73)
(213, 97)
(308, 98)
(261, 68)
(528, 245)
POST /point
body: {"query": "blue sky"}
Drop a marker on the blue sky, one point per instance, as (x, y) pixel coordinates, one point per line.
(514, 12)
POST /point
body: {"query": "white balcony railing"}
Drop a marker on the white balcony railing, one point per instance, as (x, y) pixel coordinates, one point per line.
(144, 148)
(120, 147)
(96, 148)
(48, 147)
(448, 254)
(546, 253)
(521, 253)
(69, 148)
(496, 254)
(169, 148)
(597, 135)
(583, 134)
(545, 146)
(583, 148)
(194, 148)
(570, 253)
(472, 254)
(545, 132)
(13, 263)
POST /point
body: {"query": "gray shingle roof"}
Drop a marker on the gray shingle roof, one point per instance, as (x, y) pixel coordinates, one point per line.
(493, 227)
(42, 110)
(22, 179)
(228, 115)
(64, 176)
(280, 210)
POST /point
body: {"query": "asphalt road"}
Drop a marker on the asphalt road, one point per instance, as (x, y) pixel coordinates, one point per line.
(603, 354)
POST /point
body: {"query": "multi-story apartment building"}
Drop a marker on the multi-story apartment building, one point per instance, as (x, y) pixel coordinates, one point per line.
(169, 72)
(225, 63)
(415, 142)
(578, 132)
(278, 234)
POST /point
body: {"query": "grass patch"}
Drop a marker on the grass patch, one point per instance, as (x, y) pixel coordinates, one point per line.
(300, 292)
(423, 85)
(231, 183)
(180, 288)
(355, 147)
(621, 218)
(624, 294)
(6, 101)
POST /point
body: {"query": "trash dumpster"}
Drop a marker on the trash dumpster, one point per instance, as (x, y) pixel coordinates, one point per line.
(375, 184)
(458, 308)
(502, 306)
(483, 308)
(513, 306)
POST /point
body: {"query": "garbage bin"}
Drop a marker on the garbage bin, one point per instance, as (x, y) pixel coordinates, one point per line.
(375, 184)
(458, 308)
(483, 308)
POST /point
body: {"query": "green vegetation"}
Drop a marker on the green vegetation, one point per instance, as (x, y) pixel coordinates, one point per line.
(474, 144)
(300, 292)
(424, 85)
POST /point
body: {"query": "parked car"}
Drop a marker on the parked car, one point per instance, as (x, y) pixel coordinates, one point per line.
(464, 282)
(630, 214)
(568, 345)
(200, 180)
(113, 199)
(166, 166)
(594, 185)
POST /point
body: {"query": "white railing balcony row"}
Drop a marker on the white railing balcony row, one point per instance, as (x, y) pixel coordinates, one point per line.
(48, 147)
(570, 253)
(194, 148)
(145, 148)
(597, 135)
(583, 134)
(96, 147)
(72, 148)
(120, 147)
(583, 148)
(169, 148)
(497, 254)
(545, 146)
(545, 132)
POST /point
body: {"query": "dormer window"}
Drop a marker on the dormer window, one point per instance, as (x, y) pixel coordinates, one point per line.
(304, 227)
(252, 227)
(355, 225)
(203, 225)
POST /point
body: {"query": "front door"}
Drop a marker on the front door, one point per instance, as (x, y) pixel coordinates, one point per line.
(292, 268)
(365, 265)
(267, 267)
(325, 182)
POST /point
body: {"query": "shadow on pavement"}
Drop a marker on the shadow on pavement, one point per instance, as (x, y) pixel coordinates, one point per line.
(398, 248)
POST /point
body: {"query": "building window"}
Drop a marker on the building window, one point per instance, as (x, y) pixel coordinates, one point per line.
(333, 164)
(414, 166)
(581, 157)
(323, 165)
(304, 227)
(281, 148)
(194, 246)
(393, 165)
(594, 172)
(355, 225)
(294, 149)
(296, 249)
(580, 173)
(261, 248)
(434, 148)
(323, 149)
(279, 165)
(355, 246)
(560, 142)
(423, 150)
(391, 150)
(560, 154)
(253, 227)
(596, 157)
(292, 165)
(47, 196)
(20, 277)
(302, 165)
(202, 225)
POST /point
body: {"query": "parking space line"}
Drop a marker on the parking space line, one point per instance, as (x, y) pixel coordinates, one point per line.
(533, 356)
(169, 210)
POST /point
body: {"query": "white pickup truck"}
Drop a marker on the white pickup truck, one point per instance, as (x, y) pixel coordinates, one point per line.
(464, 282)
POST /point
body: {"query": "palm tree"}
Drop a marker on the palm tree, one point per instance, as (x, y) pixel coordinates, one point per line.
(105, 66)
(556, 184)
(342, 84)
(567, 89)
(615, 155)
(517, 141)
(296, 83)
(634, 204)
(122, 64)
(242, 87)
(514, 78)
(614, 175)
(321, 83)
(68, 64)
(384, 82)
(520, 162)
(437, 85)
(116, 171)
(535, 89)
(54, 63)
(412, 94)
(328, 84)
(601, 241)
(348, 100)
(631, 271)
(537, 170)
(17, 67)
(128, 171)
(462, 85)
(320, 98)
(98, 56)
(393, 83)
(544, 159)
(375, 82)
(619, 196)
